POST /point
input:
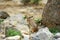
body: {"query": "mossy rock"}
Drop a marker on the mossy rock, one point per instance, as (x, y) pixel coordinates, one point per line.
(55, 29)
(12, 32)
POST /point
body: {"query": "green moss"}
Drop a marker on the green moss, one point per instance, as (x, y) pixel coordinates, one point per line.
(37, 20)
(54, 30)
(12, 32)
(25, 17)
(31, 1)
(1, 20)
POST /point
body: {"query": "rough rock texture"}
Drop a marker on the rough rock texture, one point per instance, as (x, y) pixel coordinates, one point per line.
(51, 14)
(17, 21)
(42, 34)
(3, 15)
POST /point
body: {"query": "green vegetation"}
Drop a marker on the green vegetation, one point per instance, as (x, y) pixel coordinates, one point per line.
(31, 1)
(12, 32)
(54, 30)
(1, 20)
(37, 20)
(25, 17)
(35, 1)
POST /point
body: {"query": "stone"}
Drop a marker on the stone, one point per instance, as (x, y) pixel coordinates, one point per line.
(3, 15)
(23, 28)
(13, 38)
(57, 39)
(57, 35)
(42, 34)
(2, 36)
(51, 13)
(26, 37)
(16, 21)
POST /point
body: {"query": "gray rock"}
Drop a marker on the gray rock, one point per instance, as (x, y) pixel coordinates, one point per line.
(57, 35)
(57, 39)
(3, 15)
(17, 21)
(42, 34)
(26, 37)
(13, 38)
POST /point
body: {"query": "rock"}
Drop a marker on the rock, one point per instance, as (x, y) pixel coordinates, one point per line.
(3, 15)
(42, 34)
(57, 35)
(17, 21)
(58, 39)
(10, 31)
(13, 38)
(26, 37)
(2, 29)
(23, 28)
(2, 36)
(51, 14)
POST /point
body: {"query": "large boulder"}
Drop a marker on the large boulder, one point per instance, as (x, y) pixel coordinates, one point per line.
(51, 14)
